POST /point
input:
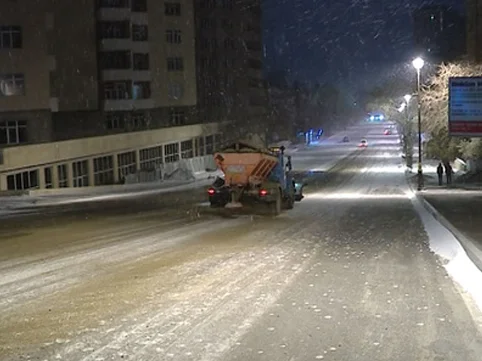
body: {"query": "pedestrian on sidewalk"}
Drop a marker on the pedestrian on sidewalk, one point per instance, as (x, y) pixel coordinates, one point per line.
(448, 173)
(440, 173)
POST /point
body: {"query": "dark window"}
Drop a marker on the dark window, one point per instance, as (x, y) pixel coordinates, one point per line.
(114, 121)
(80, 173)
(48, 177)
(177, 117)
(12, 84)
(229, 43)
(208, 23)
(63, 176)
(141, 90)
(172, 9)
(13, 132)
(171, 152)
(139, 5)
(113, 3)
(103, 170)
(126, 164)
(117, 90)
(187, 150)
(150, 158)
(210, 144)
(23, 180)
(173, 36)
(138, 121)
(141, 61)
(10, 37)
(115, 59)
(175, 64)
(114, 29)
(209, 44)
(139, 32)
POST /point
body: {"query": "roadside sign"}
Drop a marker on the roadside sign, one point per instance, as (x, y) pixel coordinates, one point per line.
(465, 106)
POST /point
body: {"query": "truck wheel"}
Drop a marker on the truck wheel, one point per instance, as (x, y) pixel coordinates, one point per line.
(289, 202)
(275, 206)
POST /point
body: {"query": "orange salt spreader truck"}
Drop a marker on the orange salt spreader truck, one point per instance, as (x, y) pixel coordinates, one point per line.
(253, 176)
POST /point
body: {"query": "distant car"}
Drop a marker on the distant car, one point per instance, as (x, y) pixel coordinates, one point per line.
(387, 132)
(363, 143)
(376, 118)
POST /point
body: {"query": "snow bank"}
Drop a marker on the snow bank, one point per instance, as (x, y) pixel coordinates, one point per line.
(456, 261)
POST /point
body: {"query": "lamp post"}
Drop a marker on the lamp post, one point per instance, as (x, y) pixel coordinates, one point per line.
(407, 98)
(408, 133)
(418, 64)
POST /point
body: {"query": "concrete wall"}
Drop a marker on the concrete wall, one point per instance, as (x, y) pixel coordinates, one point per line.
(21, 157)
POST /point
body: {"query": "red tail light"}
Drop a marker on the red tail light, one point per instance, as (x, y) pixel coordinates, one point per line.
(211, 191)
(263, 192)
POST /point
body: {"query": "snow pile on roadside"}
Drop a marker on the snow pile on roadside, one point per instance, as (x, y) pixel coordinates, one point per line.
(457, 263)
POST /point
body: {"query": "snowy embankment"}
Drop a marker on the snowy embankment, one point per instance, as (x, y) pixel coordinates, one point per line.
(455, 259)
(27, 203)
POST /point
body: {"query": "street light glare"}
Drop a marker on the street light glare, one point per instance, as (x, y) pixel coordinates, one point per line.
(418, 63)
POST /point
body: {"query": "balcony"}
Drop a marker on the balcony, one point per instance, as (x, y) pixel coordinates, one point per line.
(127, 104)
(121, 74)
(124, 44)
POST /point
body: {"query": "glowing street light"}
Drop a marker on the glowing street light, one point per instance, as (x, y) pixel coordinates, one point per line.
(418, 64)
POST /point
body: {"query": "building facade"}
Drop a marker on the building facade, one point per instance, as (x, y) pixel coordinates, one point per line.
(439, 33)
(474, 30)
(96, 87)
(229, 58)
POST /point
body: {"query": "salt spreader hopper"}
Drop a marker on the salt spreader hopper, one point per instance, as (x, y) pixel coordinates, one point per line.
(253, 175)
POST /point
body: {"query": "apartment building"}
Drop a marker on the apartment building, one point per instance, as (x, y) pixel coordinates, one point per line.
(229, 62)
(474, 29)
(439, 33)
(95, 90)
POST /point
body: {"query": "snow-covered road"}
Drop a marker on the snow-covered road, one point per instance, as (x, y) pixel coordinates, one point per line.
(348, 274)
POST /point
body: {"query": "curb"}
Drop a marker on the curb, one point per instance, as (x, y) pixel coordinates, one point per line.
(467, 243)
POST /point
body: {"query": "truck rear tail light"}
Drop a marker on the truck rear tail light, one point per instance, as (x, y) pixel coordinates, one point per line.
(263, 192)
(211, 191)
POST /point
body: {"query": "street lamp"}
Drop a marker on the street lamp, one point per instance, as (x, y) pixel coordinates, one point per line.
(407, 98)
(418, 64)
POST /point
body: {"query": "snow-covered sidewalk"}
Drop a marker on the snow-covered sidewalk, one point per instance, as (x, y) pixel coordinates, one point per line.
(453, 222)
(11, 205)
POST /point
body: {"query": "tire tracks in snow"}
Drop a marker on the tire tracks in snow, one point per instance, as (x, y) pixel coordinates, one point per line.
(181, 321)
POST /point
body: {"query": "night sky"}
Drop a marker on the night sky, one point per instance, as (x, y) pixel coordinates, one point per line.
(352, 43)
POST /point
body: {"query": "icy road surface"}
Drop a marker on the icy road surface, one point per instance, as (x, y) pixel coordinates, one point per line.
(346, 275)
